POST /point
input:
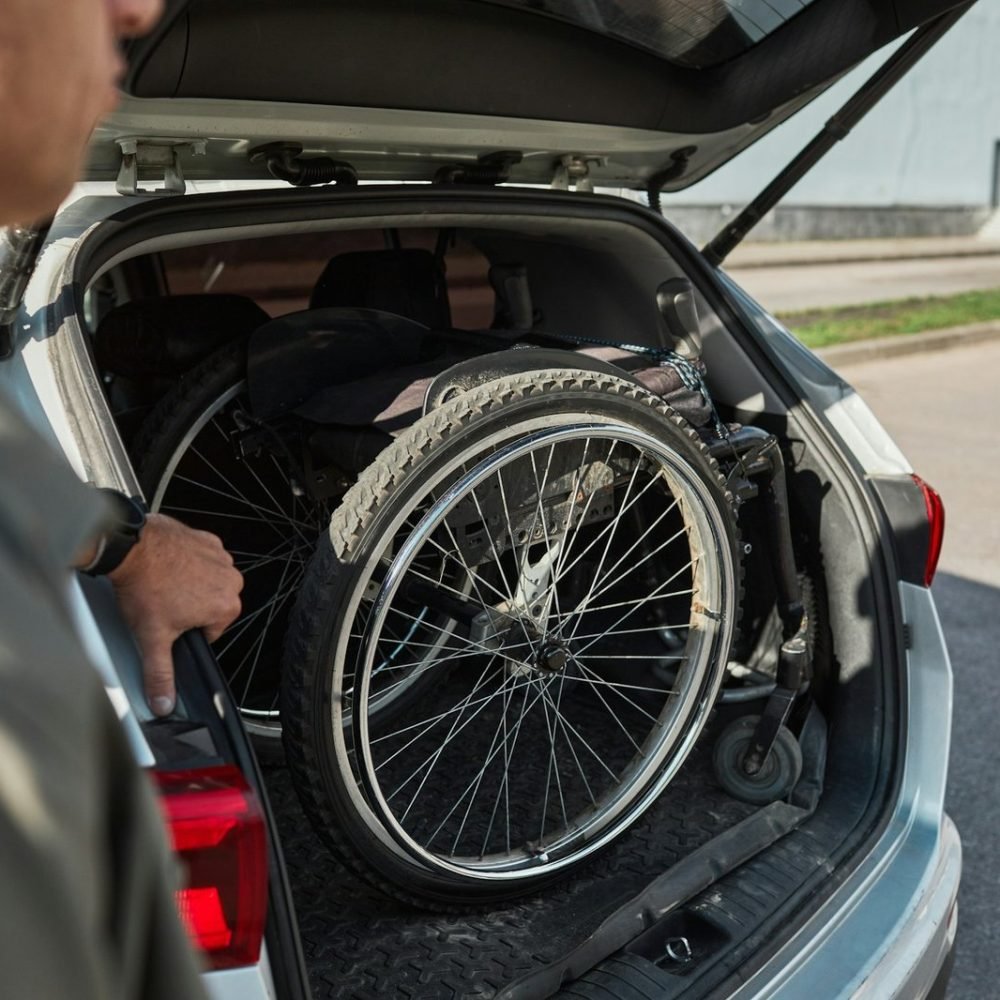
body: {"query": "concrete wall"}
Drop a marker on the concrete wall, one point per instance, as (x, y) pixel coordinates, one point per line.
(929, 144)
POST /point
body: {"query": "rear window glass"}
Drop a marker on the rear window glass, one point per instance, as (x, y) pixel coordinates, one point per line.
(695, 33)
(279, 273)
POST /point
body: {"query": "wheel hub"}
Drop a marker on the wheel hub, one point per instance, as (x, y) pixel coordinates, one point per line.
(552, 656)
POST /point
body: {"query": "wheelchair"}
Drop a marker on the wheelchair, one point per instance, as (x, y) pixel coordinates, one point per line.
(493, 577)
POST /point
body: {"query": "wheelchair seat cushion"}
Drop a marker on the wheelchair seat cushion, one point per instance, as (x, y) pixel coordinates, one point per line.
(317, 351)
(391, 399)
(167, 336)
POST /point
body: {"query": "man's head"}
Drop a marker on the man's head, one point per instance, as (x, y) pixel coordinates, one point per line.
(59, 69)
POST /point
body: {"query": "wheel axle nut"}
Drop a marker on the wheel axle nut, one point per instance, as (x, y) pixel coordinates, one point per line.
(553, 658)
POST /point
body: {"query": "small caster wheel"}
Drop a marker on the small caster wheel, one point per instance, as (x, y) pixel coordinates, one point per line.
(773, 781)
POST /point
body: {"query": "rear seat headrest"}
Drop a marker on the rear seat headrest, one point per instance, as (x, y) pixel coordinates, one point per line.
(408, 282)
(166, 336)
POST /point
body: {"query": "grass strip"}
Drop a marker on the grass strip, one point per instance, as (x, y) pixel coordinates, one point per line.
(841, 325)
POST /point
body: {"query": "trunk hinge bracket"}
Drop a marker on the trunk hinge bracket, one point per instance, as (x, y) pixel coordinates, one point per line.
(157, 157)
(574, 171)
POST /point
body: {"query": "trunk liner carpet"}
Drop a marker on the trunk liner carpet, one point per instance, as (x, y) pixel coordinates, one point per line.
(362, 945)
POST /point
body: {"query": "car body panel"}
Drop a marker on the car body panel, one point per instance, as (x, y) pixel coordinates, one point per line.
(888, 929)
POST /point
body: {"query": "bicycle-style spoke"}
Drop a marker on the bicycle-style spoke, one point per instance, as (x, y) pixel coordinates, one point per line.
(257, 644)
(560, 722)
(239, 627)
(498, 562)
(439, 585)
(513, 549)
(613, 526)
(654, 595)
(426, 724)
(553, 766)
(292, 523)
(224, 514)
(552, 592)
(603, 588)
(634, 631)
(232, 497)
(469, 641)
(596, 690)
(237, 493)
(474, 577)
(296, 553)
(472, 789)
(264, 631)
(248, 500)
(593, 678)
(508, 745)
(430, 761)
(635, 605)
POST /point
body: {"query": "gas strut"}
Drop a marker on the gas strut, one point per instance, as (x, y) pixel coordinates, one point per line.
(837, 128)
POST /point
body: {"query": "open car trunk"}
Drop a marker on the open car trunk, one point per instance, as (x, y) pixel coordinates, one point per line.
(638, 93)
(703, 883)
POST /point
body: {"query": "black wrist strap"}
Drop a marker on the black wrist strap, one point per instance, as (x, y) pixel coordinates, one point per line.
(121, 537)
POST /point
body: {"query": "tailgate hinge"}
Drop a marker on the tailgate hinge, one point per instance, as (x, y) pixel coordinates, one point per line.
(574, 171)
(155, 156)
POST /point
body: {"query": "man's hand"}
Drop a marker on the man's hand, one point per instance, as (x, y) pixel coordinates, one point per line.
(175, 579)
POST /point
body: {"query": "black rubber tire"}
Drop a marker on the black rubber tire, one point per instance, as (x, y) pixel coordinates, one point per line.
(317, 759)
(161, 434)
(774, 781)
(164, 428)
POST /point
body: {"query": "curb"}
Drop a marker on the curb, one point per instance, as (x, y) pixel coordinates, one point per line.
(913, 343)
(735, 264)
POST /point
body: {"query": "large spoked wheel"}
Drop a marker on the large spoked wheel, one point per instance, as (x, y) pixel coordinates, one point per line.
(573, 521)
(192, 466)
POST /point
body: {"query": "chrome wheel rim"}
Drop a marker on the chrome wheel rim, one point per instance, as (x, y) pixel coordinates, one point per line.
(542, 639)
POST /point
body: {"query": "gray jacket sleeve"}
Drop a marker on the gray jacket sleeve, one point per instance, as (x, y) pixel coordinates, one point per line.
(86, 879)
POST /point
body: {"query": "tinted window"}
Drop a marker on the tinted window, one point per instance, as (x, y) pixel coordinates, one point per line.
(694, 33)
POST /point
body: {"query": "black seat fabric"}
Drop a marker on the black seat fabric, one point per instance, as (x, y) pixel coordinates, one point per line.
(295, 357)
(167, 336)
(407, 282)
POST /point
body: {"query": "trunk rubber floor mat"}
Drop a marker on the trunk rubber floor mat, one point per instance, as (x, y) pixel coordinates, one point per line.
(365, 946)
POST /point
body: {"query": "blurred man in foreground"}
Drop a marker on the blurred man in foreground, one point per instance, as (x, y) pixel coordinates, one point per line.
(86, 907)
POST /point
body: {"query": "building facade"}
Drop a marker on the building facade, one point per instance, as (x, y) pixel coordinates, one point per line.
(925, 161)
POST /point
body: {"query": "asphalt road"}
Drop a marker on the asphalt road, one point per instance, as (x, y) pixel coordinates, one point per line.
(811, 286)
(942, 411)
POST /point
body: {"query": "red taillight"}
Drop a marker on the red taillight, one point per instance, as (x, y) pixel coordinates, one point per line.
(935, 523)
(217, 829)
